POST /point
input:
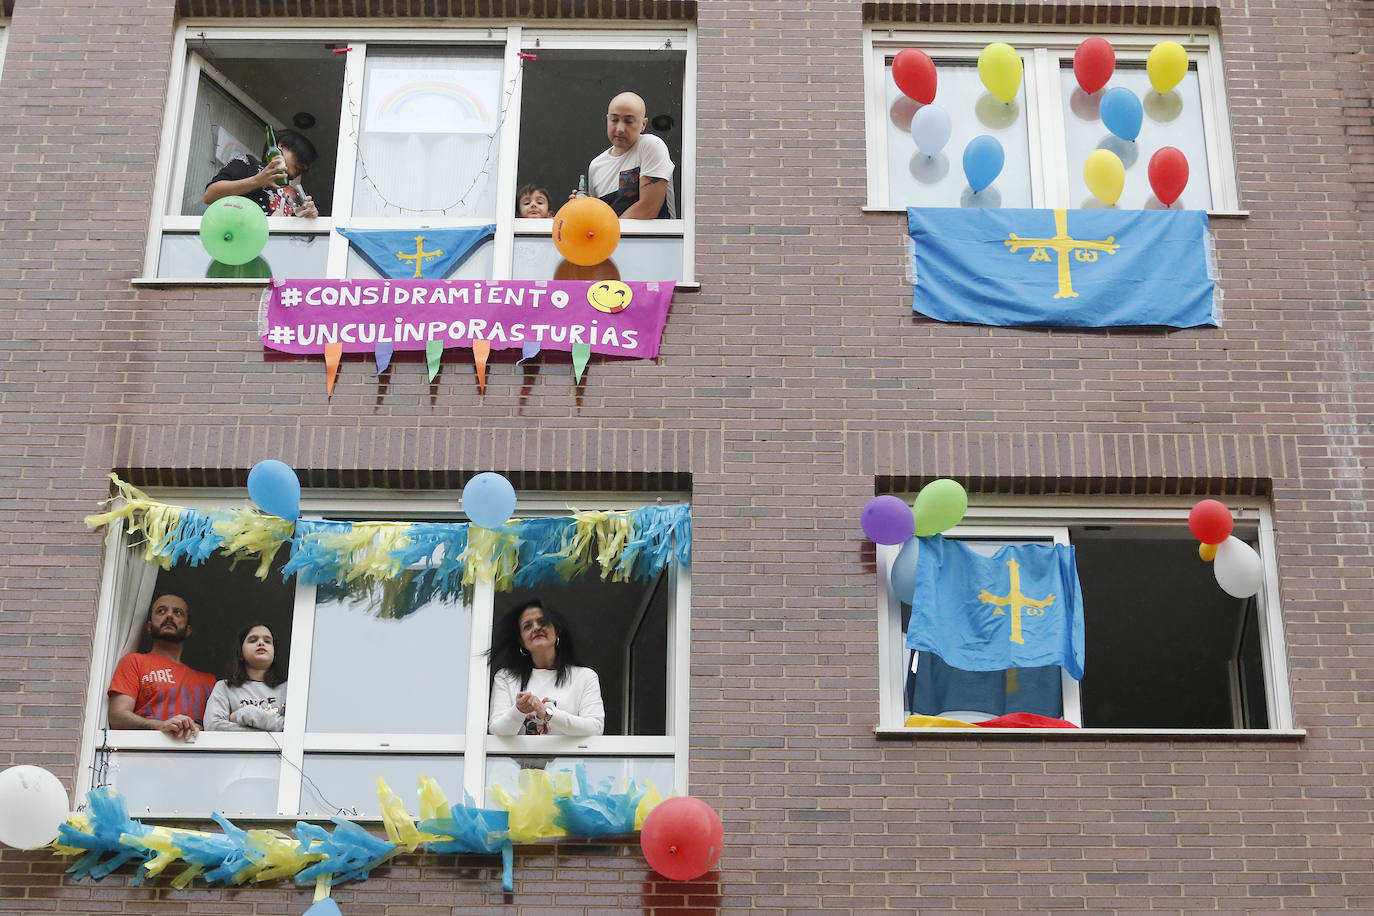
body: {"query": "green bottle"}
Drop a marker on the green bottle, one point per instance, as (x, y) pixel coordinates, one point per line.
(274, 152)
(582, 186)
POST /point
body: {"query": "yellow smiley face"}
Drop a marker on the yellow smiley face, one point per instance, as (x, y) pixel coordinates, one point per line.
(609, 296)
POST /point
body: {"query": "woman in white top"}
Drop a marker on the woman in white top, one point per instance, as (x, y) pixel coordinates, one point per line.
(254, 694)
(538, 688)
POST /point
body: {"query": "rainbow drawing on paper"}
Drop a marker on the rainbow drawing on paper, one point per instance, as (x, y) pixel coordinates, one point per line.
(412, 102)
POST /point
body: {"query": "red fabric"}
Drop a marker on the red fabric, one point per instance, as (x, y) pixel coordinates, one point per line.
(162, 688)
(1025, 720)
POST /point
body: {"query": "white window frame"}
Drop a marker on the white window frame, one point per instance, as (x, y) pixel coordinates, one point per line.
(512, 38)
(474, 744)
(1013, 518)
(4, 37)
(1041, 55)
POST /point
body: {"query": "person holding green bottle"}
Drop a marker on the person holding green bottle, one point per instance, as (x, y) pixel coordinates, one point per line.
(272, 185)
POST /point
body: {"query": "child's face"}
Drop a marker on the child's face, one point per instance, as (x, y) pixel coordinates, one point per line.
(534, 205)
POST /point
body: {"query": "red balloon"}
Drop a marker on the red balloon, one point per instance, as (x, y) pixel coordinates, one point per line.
(914, 73)
(1210, 522)
(682, 838)
(1168, 174)
(1093, 63)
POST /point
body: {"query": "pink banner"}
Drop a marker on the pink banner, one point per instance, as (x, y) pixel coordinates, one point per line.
(613, 318)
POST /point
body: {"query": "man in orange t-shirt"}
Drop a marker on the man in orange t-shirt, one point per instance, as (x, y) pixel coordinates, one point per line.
(154, 690)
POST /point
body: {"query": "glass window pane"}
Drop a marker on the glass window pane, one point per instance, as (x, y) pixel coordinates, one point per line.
(332, 783)
(635, 258)
(390, 659)
(476, 266)
(917, 180)
(1172, 119)
(429, 137)
(195, 783)
(658, 771)
(286, 257)
(222, 129)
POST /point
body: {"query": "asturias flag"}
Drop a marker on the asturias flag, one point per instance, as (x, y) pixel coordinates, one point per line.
(1019, 608)
(1063, 268)
(416, 254)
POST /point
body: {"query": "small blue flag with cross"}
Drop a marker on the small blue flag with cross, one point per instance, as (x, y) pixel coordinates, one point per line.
(1022, 607)
(416, 254)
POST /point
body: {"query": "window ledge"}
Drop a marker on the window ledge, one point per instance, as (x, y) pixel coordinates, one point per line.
(1097, 734)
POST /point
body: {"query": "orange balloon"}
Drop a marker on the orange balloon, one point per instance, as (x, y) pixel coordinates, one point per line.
(1208, 552)
(586, 230)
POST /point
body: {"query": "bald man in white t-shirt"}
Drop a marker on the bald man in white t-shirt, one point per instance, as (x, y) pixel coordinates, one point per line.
(634, 176)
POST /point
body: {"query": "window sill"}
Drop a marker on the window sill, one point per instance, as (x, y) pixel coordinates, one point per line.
(1097, 734)
(1212, 214)
(686, 286)
(140, 740)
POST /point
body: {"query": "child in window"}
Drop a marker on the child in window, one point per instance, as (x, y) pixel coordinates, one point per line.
(254, 694)
(532, 202)
(249, 177)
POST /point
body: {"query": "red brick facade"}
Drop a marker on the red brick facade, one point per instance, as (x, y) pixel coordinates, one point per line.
(793, 385)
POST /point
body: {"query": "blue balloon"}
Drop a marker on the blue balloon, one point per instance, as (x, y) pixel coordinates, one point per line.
(326, 907)
(903, 576)
(983, 159)
(489, 500)
(276, 489)
(1121, 112)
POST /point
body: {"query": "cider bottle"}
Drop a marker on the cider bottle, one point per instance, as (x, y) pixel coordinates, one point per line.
(274, 152)
(581, 185)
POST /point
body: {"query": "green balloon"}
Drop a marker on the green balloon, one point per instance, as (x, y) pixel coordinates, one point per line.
(234, 230)
(939, 506)
(256, 269)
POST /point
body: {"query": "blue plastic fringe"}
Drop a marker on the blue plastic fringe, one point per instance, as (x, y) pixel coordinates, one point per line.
(351, 852)
(109, 820)
(194, 539)
(471, 829)
(598, 811)
(662, 533)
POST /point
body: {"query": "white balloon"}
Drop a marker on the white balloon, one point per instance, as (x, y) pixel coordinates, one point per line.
(33, 804)
(903, 576)
(1238, 568)
(930, 128)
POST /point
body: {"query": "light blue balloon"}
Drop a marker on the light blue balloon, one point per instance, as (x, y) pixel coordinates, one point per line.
(904, 570)
(489, 500)
(1121, 112)
(983, 160)
(326, 907)
(276, 489)
(930, 128)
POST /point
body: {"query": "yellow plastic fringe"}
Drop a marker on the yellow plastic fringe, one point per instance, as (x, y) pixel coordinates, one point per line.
(400, 828)
(491, 556)
(648, 803)
(153, 523)
(369, 546)
(532, 813)
(281, 855)
(79, 822)
(248, 534)
(433, 801)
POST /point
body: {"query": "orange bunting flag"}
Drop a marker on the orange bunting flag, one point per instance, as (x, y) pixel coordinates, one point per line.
(332, 354)
(580, 354)
(434, 349)
(481, 349)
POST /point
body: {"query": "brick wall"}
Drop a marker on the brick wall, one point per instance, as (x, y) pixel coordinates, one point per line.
(788, 387)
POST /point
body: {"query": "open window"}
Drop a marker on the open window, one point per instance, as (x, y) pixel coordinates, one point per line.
(1166, 648)
(388, 679)
(1048, 129)
(421, 130)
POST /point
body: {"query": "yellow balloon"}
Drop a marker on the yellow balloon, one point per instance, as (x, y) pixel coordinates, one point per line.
(1105, 175)
(1208, 552)
(999, 67)
(1166, 65)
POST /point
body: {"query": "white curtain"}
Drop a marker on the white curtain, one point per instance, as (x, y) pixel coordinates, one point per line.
(218, 118)
(429, 134)
(134, 582)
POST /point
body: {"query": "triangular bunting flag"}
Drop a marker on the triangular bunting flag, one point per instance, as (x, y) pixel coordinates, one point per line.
(481, 349)
(383, 354)
(332, 353)
(416, 254)
(580, 354)
(528, 350)
(434, 349)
